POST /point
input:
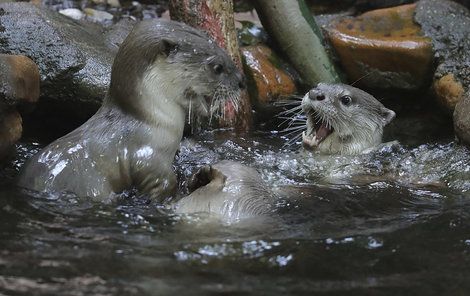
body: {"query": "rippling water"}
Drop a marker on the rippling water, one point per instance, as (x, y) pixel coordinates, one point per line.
(391, 222)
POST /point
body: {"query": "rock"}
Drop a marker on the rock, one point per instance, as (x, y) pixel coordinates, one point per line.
(268, 81)
(19, 80)
(10, 130)
(447, 23)
(73, 13)
(114, 3)
(383, 48)
(250, 34)
(98, 16)
(116, 34)
(448, 91)
(73, 58)
(462, 119)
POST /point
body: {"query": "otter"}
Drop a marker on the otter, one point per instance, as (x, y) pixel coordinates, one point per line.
(162, 71)
(229, 190)
(342, 119)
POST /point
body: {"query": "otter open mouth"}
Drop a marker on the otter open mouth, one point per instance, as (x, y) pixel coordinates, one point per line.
(317, 131)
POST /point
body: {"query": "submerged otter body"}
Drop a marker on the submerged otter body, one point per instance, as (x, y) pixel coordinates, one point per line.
(163, 71)
(229, 190)
(342, 119)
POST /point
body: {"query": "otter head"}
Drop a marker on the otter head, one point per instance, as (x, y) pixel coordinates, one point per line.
(165, 69)
(342, 119)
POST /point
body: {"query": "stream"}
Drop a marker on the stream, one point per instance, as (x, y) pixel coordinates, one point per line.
(390, 222)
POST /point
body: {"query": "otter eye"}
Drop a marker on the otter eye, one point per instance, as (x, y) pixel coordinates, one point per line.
(218, 69)
(346, 100)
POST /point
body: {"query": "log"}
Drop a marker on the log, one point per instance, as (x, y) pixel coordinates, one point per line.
(294, 29)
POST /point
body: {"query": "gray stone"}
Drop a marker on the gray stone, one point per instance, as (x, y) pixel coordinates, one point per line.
(115, 35)
(73, 58)
(447, 23)
(73, 13)
(462, 119)
(98, 16)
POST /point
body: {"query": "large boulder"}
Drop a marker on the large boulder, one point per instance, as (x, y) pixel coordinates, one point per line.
(73, 58)
(383, 48)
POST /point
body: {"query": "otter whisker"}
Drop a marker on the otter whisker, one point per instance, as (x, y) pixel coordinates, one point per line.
(236, 101)
(293, 140)
(289, 134)
(293, 121)
(286, 103)
(189, 110)
(296, 128)
(233, 101)
(298, 117)
(295, 110)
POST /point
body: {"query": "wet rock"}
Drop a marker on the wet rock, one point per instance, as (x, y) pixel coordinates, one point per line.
(19, 83)
(10, 130)
(250, 33)
(374, 4)
(73, 59)
(383, 48)
(112, 3)
(462, 119)
(73, 13)
(447, 23)
(338, 6)
(19, 80)
(116, 34)
(448, 91)
(98, 16)
(268, 81)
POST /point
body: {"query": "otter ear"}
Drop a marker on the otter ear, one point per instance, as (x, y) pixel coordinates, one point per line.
(204, 176)
(199, 179)
(387, 115)
(168, 47)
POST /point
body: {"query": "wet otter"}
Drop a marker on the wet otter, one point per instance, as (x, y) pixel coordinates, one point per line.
(229, 190)
(342, 119)
(163, 71)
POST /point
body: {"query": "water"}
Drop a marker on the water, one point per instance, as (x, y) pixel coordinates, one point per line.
(391, 222)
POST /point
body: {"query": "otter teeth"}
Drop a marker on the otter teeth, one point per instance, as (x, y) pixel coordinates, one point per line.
(310, 140)
(316, 133)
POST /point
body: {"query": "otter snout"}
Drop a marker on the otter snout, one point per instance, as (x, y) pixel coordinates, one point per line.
(241, 81)
(316, 95)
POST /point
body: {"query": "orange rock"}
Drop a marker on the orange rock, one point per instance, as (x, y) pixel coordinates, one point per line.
(384, 48)
(271, 81)
(36, 2)
(448, 91)
(19, 79)
(10, 130)
(462, 119)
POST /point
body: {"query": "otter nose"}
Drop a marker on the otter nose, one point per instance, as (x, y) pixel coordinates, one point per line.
(241, 84)
(314, 94)
(241, 80)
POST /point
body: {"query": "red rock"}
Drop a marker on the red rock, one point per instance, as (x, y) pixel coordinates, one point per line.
(448, 91)
(271, 81)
